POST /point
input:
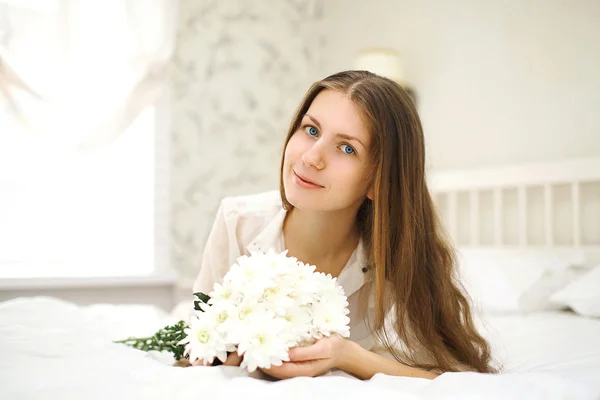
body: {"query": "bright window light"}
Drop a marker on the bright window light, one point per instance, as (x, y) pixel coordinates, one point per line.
(78, 214)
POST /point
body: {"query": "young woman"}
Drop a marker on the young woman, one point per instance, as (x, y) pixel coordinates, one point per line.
(353, 201)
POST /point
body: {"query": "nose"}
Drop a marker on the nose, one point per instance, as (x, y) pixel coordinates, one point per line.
(313, 157)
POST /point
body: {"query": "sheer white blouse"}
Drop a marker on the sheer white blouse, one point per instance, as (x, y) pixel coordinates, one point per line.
(254, 223)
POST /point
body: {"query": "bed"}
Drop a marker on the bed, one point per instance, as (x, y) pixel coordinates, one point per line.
(53, 349)
(528, 239)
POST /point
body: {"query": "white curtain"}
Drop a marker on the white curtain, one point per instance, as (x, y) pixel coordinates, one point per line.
(77, 73)
(83, 149)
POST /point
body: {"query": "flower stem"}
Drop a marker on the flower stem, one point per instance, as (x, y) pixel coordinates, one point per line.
(165, 339)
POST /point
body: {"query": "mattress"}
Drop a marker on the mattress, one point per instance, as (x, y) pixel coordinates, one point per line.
(53, 349)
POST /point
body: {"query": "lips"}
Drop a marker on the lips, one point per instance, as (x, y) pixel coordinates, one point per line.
(305, 179)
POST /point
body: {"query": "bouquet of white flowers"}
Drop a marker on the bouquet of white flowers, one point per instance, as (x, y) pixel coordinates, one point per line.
(266, 304)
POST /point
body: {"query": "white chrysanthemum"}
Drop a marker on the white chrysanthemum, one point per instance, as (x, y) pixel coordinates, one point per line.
(330, 312)
(302, 283)
(278, 299)
(223, 293)
(238, 321)
(250, 275)
(328, 287)
(301, 319)
(330, 317)
(223, 313)
(203, 341)
(265, 341)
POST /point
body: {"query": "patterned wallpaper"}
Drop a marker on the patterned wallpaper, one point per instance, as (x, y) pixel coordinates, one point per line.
(240, 70)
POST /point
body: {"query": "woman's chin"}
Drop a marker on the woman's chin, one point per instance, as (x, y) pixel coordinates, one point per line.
(304, 201)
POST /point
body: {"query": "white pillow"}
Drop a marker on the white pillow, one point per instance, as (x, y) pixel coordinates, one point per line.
(502, 281)
(582, 295)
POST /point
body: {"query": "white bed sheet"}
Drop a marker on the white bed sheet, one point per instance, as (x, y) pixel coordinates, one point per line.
(560, 344)
(50, 349)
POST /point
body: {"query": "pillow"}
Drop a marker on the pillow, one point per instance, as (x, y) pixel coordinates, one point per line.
(501, 281)
(582, 295)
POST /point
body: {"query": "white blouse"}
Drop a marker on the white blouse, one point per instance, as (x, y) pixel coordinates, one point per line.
(254, 223)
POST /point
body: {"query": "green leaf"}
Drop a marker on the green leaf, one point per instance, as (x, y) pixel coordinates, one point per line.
(203, 298)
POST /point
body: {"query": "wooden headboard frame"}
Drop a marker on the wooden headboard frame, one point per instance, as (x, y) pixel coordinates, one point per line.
(543, 205)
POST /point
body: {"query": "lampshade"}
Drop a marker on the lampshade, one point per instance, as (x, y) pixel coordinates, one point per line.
(386, 63)
(383, 62)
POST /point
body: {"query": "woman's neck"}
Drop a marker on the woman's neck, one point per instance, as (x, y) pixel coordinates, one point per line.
(324, 239)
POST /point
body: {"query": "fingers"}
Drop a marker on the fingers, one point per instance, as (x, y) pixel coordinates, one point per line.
(233, 360)
(317, 351)
(183, 362)
(293, 369)
(284, 371)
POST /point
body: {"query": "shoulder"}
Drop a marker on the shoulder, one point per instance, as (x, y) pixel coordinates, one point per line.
(251, 216)
(251, 205)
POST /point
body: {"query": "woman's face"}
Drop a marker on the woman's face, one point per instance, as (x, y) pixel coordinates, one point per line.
(327, 158)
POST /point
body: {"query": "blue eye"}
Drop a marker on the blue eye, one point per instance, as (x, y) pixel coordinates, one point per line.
(311, 130)
(347, 149)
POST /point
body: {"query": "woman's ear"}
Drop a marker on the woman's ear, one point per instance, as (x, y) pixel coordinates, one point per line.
(370, 193)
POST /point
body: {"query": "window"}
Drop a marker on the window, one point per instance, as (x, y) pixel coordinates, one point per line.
(102, 210)
(79, 214)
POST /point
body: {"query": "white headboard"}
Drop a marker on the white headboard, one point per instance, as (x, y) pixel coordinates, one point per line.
(554, 205)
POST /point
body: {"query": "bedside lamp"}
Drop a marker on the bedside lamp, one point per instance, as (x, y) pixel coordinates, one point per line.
(386, 63)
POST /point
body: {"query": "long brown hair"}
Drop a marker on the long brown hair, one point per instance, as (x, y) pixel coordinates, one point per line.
(413, 263)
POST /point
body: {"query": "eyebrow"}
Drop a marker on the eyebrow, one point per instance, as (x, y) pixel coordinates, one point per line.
(340, 135)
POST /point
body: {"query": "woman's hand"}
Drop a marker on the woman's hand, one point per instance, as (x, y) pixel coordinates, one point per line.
(313, 360)
(233, 360)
